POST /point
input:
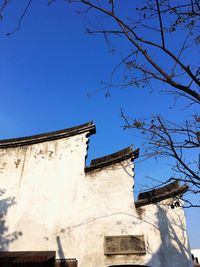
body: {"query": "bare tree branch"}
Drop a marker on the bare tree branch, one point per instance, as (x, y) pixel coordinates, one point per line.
(21, 18)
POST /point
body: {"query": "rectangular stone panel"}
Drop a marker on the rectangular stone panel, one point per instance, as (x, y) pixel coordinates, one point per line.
(124, 244)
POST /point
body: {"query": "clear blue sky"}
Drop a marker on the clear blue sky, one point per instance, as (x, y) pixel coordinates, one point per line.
(51, 73)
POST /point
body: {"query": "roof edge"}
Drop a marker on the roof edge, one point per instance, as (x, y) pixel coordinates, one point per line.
(39, 138)
(113, 158)
(166, 192)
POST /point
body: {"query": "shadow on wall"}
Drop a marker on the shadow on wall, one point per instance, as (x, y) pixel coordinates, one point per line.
(5, 238)
(172, 252)
(60, 249)
(61, 252)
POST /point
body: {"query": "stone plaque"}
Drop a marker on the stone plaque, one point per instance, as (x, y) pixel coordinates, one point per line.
(124, 244)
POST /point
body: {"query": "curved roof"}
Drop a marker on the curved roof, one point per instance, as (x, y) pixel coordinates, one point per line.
(113, 158)
(173, 189)
(38, 138)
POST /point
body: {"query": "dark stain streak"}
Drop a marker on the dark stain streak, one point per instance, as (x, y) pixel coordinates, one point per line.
(4, 164)
(22, 172)
(23, 162)
(140, 212)
(62, 230)
(51, 154)
(17, 162)
(40, 152)
(2, 167)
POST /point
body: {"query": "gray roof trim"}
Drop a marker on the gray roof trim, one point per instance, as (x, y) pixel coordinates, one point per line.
(39, 138)
(116, 157)
(162, 193)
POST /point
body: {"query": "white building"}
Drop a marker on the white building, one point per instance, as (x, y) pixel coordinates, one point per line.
(196, 256)
(51, 201)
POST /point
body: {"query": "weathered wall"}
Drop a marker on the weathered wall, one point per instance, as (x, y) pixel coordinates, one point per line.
(164, 228)
(166, 235)
(50, 203)
(196, 253)
(44, 181)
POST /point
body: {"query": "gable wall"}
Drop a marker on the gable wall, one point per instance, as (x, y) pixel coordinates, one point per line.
(50, 203)
(42, 180)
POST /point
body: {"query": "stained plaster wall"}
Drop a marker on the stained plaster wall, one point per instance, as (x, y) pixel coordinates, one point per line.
(196, 253)
(44, 181)
(166, 235)
(50, 203)
(164, 228)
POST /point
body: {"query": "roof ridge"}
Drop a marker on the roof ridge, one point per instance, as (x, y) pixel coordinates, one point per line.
(170, 190)
(38, 138)
(115, 157)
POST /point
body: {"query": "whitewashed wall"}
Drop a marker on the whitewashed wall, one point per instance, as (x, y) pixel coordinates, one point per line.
(196, 253)
(48, 202)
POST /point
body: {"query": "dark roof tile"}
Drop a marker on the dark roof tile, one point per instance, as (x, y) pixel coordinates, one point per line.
(159, 194)
(34, 139)
(119, 156)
